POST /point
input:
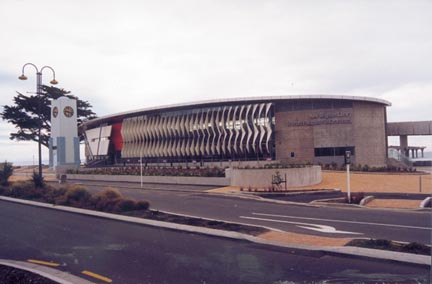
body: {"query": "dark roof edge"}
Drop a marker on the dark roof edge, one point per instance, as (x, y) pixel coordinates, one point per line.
(233, 100)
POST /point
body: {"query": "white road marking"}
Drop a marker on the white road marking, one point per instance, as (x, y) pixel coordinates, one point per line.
(328, 229)
(314, 227)
(342, 221)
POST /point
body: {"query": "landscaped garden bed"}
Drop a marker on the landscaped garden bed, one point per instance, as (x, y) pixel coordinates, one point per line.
(11, 275)
(414, 248)
(355, 198)
(152, 171)
(192, 221)
(367, 168)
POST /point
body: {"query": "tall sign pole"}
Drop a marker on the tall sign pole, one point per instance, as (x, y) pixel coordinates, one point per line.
(347, 163)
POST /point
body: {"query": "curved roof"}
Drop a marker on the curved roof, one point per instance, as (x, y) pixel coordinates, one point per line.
(208, 103)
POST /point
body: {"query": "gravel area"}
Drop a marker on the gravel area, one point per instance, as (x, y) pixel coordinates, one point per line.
(366, 182)
(304, 239)
(394, 203)
(376, 182)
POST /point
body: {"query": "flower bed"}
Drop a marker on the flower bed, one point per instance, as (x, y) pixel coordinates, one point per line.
(415, 248)
(153, 171)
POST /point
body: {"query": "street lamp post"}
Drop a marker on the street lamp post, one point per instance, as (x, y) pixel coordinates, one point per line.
(39, 94)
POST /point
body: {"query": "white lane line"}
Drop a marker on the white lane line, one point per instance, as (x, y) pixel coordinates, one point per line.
(308, 226)
(342, 221)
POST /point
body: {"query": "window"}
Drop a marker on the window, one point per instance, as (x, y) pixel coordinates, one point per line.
(333, 151)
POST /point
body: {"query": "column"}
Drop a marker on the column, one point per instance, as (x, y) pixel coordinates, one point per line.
(403, 142)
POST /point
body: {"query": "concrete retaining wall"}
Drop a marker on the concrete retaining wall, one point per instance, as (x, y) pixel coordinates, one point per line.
(235, 177)
(263, 177)
(216, 181)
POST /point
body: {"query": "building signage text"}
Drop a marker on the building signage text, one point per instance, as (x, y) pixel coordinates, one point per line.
(324, 118)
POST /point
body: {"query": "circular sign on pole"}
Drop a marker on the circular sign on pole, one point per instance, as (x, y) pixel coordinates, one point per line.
(68, 111)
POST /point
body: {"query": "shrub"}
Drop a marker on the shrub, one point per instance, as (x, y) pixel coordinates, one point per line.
(110, 193)
(6, 172)
(417, 248)
(26, 190)
(124, 205)
(75, 196)
(120, 205)
(142, 205)
(106, 200)
(109, 200)
(38, 180)
(53, 195)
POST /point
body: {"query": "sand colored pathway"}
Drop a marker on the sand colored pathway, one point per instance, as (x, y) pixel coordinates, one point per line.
(366, 182)
(309, 240)
(394, 203)
(377, 182)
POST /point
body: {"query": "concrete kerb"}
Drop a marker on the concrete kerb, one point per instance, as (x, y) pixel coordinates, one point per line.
(353, 251)
(326, 203)
(366, 200)
(426, 202)
(294, 192)
(53, 274)
(262, 199)
(217, 220)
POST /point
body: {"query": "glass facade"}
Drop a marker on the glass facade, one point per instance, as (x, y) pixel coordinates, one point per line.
(232, 132)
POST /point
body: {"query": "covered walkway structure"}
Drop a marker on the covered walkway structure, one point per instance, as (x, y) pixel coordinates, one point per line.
(405, 129)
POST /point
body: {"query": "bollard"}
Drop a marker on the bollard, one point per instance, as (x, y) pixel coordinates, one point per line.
(420, 183)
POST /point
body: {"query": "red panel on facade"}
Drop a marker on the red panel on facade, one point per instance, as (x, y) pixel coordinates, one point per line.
(116, 136)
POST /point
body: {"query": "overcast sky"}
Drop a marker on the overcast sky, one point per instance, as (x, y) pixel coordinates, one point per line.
(125, 55)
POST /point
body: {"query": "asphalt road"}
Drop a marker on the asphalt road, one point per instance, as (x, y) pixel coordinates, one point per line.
(130, 253)
(398, 225)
